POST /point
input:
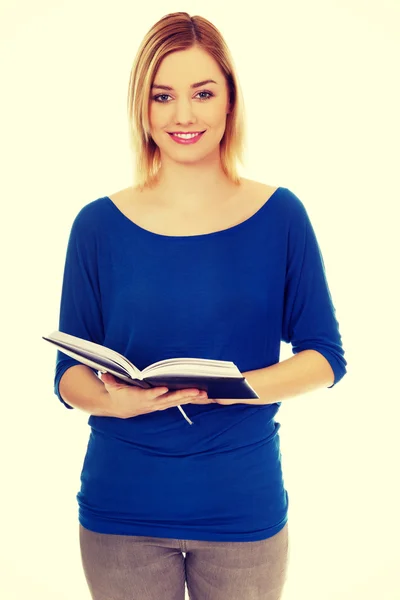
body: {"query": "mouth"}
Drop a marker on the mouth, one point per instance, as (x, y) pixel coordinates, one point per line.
(185, 132)
(187, 140)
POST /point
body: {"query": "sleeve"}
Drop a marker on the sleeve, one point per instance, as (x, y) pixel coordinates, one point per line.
(80, 306)
(309, 316)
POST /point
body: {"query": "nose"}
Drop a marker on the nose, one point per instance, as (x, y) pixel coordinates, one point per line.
(184, 112)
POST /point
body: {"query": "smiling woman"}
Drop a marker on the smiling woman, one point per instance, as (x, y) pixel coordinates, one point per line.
(211, 103)
(194, 261)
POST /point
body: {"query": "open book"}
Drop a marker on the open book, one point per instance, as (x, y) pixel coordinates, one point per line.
(219, 378)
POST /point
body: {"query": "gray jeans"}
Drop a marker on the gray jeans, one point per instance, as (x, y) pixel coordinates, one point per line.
(125, 567)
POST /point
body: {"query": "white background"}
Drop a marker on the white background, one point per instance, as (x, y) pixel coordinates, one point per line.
(321, 87)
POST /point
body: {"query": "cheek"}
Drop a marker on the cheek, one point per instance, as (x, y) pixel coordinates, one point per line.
(153, 117)
(156, 116)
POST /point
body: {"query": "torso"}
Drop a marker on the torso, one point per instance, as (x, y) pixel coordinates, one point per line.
(231, 209)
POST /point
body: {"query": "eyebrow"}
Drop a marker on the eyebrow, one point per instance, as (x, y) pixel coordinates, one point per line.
(193, 86)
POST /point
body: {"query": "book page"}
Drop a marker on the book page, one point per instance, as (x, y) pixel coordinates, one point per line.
(192, 366)
(94, 352)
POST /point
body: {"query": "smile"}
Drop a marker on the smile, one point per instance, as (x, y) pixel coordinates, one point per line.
(186, 139)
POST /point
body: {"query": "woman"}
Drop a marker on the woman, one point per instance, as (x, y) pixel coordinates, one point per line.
(191, 261)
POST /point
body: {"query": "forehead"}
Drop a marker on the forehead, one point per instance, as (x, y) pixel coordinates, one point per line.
(183, 67)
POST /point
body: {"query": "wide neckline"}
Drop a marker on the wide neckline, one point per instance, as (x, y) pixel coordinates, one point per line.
(198, 236)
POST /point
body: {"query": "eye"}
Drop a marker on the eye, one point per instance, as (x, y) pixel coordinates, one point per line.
(156, 98)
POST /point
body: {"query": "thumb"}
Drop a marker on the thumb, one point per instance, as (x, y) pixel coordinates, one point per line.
(108, 378)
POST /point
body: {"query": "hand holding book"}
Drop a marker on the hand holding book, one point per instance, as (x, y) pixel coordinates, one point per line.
(128, 401)
(218, 378)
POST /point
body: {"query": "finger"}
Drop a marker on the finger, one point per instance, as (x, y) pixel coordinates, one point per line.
(182, 402)
(157, 392)
(110, 380)
(205, 400)
(181, 395)
(107, 377)
(198, 399)
(178, 397)
(189, 396)
(106, 381)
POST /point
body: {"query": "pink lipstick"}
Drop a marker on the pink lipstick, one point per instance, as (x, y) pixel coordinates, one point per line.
(191, 140)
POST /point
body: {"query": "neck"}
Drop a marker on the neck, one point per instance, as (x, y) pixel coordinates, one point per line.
(191, 189)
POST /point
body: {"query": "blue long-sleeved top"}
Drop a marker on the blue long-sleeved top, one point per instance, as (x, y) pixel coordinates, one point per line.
(234, 295)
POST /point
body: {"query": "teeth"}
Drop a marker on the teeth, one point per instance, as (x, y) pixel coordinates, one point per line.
(185, 136)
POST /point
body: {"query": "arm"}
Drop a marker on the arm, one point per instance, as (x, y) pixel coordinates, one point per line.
(308, 322)
(81, 388)
(80, 315)
(305, 372)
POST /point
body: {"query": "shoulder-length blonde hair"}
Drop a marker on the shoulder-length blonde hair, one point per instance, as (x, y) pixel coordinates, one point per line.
(175, 32)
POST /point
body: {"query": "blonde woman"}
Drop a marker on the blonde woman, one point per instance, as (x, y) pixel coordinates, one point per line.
(195, 261)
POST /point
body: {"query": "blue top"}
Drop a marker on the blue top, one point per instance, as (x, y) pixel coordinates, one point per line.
(234, 295)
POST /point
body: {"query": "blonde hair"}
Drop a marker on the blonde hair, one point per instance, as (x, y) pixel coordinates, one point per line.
(175, 32)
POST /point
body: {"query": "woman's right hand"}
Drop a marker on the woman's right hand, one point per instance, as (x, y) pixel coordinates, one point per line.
(128, 401)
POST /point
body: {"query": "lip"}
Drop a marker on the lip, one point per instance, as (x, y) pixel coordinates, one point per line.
(188, 141)
(172, 132)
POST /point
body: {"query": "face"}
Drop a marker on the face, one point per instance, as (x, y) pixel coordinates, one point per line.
(187, 109)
